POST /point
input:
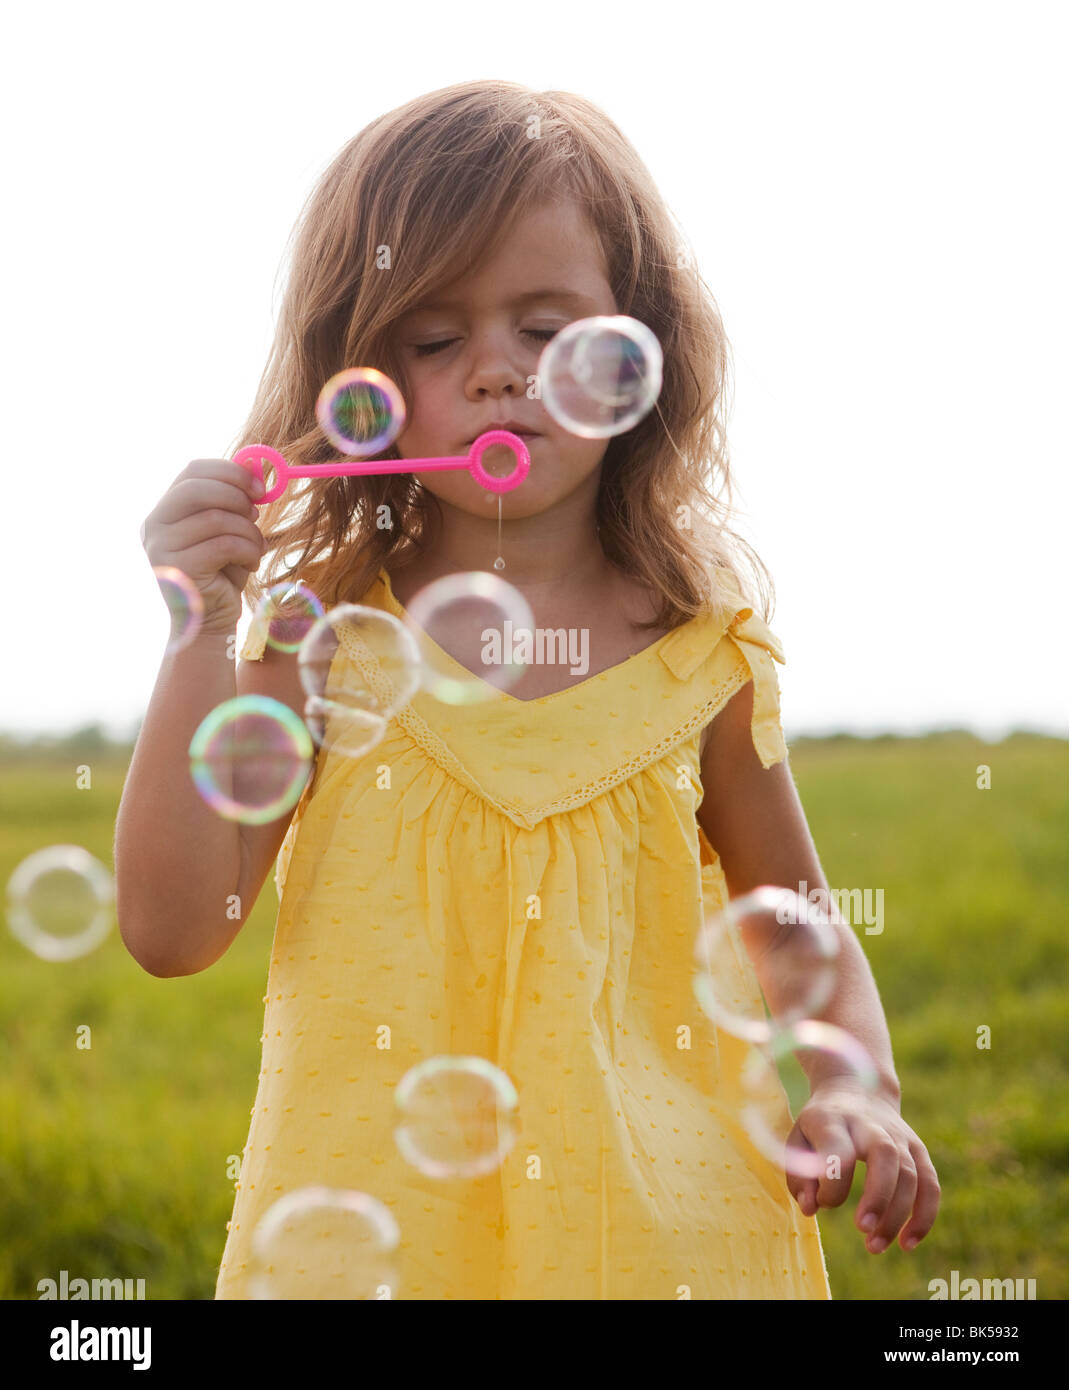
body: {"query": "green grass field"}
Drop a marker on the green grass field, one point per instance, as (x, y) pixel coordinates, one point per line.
(113, 1160)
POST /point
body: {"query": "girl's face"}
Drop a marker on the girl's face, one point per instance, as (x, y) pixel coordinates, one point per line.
(469, 356)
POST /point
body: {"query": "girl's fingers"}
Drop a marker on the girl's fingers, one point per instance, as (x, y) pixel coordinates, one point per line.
(898, 1208)
(830, 1139)
(190, 495)
(901, 1185)
(881, 1157)
(213, 555)
(223, 470)
(926, 1204)
(203, 526)
(804, 1192)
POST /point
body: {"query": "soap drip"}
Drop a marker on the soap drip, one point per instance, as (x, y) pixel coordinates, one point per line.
(499, 563)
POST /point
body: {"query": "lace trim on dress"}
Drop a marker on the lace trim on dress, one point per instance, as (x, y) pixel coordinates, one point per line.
(683, 652)
(422, 735)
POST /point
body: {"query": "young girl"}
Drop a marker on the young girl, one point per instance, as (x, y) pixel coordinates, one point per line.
(445, 245)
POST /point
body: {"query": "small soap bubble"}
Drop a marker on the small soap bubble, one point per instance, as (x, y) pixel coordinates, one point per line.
(764, 962)
(287, 612)
(184, 603)
(456, 1117)
(325, 1243)
(250, 759)
(600, 376)
(475, 633)
(351, 699)
(361, 411)
(60, 902)
(765, 1113)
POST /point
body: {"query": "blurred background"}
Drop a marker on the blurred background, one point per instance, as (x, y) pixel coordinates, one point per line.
(875, 195)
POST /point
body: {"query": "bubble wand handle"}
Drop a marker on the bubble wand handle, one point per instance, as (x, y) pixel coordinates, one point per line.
(254, 456)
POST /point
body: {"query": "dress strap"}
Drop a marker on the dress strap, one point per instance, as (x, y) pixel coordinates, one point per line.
(691, 644)
(255, 644)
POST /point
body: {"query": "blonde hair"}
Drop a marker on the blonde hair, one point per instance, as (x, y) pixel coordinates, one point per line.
(441, 181)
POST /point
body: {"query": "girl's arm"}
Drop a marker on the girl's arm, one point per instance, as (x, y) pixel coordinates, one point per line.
(180, 870)
(754, 820)
(186, 879)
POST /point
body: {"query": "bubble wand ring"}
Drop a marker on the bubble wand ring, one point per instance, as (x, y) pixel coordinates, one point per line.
(254, 456)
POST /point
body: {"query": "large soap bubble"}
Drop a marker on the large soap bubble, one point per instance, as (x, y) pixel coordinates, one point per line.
(351, 702)
(60, 902)
(456, 1117)
(325, 1243)
(765, 961)
(599, 376)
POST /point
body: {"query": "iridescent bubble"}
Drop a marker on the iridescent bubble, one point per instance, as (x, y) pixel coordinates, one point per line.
(60, 902)
(456, 1117)
(325, 1243)
(184, 602)
(765, 961)
(475, 633)
(601, 375)
(765, 1114)
(250, 759)
(287, 612)
(351, 701)
(360, 411)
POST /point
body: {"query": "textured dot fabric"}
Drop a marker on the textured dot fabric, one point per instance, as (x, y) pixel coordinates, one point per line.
(525, 881)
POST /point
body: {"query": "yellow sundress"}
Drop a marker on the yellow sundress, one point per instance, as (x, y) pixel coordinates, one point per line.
(409, 905)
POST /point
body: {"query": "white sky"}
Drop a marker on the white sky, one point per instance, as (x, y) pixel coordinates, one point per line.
(876, 195)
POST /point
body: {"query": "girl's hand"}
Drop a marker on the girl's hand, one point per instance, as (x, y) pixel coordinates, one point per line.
(844, 1121)
(205, 526)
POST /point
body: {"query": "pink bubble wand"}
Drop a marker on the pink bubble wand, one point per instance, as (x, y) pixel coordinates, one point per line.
(254, 456)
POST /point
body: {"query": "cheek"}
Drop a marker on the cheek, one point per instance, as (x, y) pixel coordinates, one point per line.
(574, 458)
(426, 412)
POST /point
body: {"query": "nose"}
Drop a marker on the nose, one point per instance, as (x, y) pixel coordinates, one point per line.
(494, 373)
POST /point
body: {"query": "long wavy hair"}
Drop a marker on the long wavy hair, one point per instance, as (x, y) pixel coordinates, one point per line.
(441, 181)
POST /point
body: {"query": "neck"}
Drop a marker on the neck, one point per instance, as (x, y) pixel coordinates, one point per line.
(544, 554)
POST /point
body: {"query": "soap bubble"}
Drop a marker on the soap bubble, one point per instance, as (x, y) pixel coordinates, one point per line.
(250, 759)
(351, 702)
(600, 376)
(467, 623)
(765, 1115)
(60, 902)
(456, 1117)
(360, 411)
(287, 612)
(184, 602)
(765, 961)
(325, 1243)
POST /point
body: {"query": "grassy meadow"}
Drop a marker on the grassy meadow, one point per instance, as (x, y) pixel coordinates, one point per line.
(113, 1160)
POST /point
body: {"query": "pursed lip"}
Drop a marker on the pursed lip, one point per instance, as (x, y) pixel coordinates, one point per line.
(512, 429)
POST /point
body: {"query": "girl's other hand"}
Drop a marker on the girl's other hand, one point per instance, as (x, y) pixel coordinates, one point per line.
(901, 1186)
(205, 526)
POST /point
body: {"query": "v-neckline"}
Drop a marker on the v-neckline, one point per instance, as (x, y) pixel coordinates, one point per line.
(401, 612)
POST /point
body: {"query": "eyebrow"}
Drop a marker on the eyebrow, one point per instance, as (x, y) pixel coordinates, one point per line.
(561, 295)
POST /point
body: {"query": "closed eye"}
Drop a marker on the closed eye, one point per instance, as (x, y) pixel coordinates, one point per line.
(543, 334)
